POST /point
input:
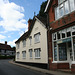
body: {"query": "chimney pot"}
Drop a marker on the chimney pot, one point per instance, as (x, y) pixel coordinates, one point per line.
(5, 42)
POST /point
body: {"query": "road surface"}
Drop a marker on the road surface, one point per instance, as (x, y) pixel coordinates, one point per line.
(9, 69)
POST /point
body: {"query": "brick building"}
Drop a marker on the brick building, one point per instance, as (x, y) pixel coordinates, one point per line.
(61, 34)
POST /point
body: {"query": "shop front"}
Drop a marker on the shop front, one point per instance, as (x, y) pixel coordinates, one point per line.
(64, 48)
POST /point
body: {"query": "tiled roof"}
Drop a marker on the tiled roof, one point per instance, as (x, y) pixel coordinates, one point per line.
(26, 35)
(5, 47)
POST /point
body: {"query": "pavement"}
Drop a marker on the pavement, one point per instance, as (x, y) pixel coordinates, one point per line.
(48, 72)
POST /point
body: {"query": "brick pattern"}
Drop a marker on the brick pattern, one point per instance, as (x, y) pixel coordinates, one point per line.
(64, 22)
(73, 68)
(55, 66)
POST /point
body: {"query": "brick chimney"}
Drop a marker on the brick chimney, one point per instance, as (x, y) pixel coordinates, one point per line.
(5, 42)
(29, 23)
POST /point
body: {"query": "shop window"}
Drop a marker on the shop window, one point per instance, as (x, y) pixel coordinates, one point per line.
(74, 46)
(62, 52)
(68, 32)
(55, 51)
(73, 30)
(59, 35)
(54, 36)
(63, 33)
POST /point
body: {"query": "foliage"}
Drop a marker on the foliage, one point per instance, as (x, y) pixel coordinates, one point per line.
(42, 9)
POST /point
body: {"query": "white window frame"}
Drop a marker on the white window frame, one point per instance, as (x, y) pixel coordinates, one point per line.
(30, 53)
(59, 4)
(24, 43)
(23, 54)
(18, 55)
(37, 53)
(37, 38)
(60, 40)
(30, 40)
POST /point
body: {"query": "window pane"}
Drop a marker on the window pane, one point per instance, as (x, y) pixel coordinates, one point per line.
(24, 43)
(61, 10)
(59, 35)
(24, 54)
(73, 30)
(30, 53)
(54, 36)
(74, 46)
(62, 52)
(66, 7)
(68, 32)
(37, 53)
(37, 38)
(18, 54)
(63, 33)
(55, 51)
(72, 5)
(57, 13)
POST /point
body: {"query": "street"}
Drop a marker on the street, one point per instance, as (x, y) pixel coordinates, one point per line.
(9, 69)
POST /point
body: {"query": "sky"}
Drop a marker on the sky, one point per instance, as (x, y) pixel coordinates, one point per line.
(14, 16)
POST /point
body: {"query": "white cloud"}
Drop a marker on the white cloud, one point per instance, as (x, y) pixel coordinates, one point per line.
(2, 37)
(12, 43)
(12, 16)
(21, 33)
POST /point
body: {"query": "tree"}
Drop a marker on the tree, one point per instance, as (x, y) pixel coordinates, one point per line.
(42, 8)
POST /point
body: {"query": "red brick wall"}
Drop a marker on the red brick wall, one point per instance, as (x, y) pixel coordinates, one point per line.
(66, 20)
(73, 68)
(60, 24)
(51, 10)
(56, 66)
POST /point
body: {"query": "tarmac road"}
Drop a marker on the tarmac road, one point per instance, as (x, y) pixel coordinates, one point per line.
(9, 69)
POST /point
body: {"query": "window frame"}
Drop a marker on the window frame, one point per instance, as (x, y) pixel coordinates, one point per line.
(24, 43)
(30, 53)
(30, 40)
(37, 35)
(37, 53)
(18, 55)
(23, 54)
(59, 4)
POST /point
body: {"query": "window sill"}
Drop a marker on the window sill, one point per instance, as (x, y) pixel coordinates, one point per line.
(24, 57)
(37, 58)
(60, 62)
(37, 42)
(30, 57)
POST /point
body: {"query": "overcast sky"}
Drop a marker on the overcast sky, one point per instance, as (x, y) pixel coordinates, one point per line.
(14, 15)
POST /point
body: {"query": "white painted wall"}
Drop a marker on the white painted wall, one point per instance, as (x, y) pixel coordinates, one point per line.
(43, 45)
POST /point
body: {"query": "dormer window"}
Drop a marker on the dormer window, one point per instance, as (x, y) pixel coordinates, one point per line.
(64, 8)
